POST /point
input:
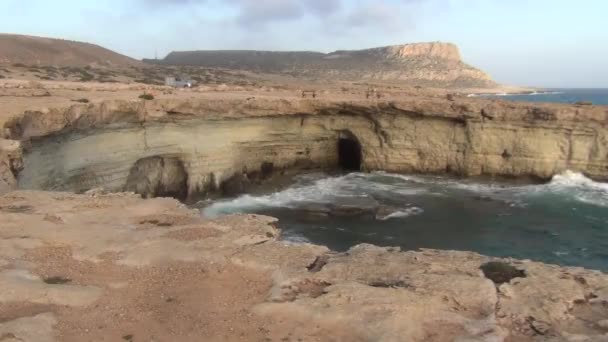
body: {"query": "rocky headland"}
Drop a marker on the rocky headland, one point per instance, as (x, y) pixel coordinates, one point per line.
(425, 64)
(106, 264)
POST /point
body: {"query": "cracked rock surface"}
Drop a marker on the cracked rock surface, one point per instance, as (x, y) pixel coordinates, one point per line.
(114, 267)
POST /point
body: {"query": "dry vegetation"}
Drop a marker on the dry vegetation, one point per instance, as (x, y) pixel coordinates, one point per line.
(151, 75)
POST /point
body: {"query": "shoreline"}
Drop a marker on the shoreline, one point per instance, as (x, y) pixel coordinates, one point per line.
(154, 269)
(107, 264)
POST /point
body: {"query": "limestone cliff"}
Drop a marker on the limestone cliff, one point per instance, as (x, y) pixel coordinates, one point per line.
(100, 145)
(439, 50)
(429, 64)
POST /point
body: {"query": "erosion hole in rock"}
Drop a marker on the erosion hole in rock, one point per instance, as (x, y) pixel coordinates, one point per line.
(349, 152)
(159, 177)
(501, 272)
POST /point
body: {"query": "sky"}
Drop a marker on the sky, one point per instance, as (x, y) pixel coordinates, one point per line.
(545, 43)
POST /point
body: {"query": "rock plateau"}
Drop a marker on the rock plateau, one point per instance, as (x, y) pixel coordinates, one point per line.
(426, 64)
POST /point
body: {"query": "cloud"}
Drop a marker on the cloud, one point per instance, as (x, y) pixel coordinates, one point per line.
(173, 2)
(323, 7)
(255, 13)
(377, 15)
(258, 13)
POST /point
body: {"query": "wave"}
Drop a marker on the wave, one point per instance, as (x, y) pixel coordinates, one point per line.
(316, 188)
(567, 184)
(402, 213)
(363, 189)
(581, 188)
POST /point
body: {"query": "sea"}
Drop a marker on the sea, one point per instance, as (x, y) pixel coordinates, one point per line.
(596, 96)
(564, 221)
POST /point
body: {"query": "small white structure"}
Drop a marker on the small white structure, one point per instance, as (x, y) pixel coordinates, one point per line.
(181, 82)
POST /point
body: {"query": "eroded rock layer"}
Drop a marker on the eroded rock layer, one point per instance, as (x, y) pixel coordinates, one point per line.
(100, 145)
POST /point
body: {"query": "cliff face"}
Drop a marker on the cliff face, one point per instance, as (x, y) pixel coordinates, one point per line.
(445, 51)
(214, 141)
(430, 64)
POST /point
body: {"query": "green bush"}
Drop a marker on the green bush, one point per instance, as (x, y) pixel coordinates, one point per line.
(83, 100)
(146, 97)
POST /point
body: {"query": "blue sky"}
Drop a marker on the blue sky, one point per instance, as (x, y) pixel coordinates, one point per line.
(548, 43)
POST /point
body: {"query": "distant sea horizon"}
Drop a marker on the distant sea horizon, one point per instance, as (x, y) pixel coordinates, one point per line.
(597, 96)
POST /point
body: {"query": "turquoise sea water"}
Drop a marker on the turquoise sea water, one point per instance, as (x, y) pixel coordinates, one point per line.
(563, 222)
(595, 96)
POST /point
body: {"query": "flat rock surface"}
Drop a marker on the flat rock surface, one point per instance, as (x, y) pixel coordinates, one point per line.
(98, 267)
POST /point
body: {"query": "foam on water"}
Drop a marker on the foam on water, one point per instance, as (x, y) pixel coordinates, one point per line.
(402, 213)
(315, 188)
(569, 184)
(322, 189)
(563, 221)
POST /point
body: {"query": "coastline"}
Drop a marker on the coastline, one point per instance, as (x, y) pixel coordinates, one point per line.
(233, 278)
(116, 266)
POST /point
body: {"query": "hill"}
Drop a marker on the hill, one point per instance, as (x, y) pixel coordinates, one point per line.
(428, 64)
(32, 50)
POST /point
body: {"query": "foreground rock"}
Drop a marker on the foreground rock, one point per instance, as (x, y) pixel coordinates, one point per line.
(115, 267)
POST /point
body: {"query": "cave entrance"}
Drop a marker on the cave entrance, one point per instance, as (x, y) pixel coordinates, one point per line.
(349, 153)
(158, 176)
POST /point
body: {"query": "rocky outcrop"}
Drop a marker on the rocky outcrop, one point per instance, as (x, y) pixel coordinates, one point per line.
(10, 164)
(430, 50)
(116, 267)
(98, 145)
(429, 64)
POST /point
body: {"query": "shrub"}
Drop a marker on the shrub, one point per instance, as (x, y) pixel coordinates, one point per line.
(583, 103)
(83, 100)
(86, 77)
(146, 97)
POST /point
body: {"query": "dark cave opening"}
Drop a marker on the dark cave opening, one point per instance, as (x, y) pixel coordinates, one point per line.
(349, 154)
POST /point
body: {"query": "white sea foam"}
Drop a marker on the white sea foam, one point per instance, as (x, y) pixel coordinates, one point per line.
(358, 186)
(295, 239)
(568, 184)
(402, 213)
(312, 190)
(581, 188)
